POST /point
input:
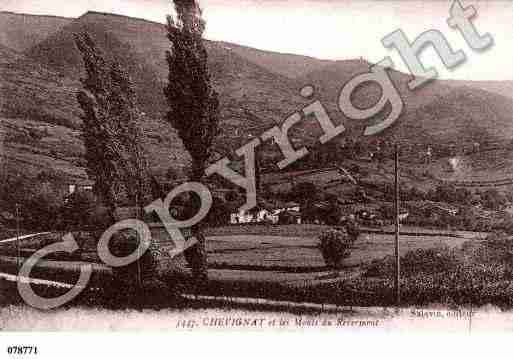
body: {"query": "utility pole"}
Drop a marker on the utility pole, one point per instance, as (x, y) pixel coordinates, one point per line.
(139, 272)
(257, 174)
(18, 252)
(397, 228)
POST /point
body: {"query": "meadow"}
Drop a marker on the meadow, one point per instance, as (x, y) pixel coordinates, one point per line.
(273, 262)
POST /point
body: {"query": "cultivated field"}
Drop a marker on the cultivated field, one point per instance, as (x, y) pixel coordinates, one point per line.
(273, 254)
(485, 169)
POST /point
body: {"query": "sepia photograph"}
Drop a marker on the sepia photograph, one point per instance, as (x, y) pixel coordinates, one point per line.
(256, 165)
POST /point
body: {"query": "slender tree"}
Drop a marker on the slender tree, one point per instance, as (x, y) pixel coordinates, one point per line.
(193, 103)
(111, 135)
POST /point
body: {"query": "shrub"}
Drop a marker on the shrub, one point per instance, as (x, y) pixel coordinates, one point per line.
(335, 246)
(450, 194)
(493, 199)
(505, 223)
(387, 211)
(219, 214)
(465, 283)
(432, 260)
(497, 247)
(82, 211)
(231, 196)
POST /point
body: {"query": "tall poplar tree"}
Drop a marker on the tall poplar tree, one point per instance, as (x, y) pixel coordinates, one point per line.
(193, 103)
(112, 139)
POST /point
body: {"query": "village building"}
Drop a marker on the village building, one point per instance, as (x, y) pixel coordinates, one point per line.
(266, 212)
(80, 186)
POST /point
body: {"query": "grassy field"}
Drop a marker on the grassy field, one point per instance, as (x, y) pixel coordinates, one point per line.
(301, 253)
(267, 255)
(436, 269)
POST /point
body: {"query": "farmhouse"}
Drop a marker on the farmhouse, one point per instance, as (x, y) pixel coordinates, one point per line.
(266, 212)
(80, 186)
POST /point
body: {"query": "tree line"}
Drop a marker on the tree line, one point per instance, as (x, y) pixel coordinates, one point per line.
(111, 130)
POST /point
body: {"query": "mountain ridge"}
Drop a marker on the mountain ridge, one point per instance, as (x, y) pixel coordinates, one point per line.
(20, 31)
(6, 12)
(253, 96)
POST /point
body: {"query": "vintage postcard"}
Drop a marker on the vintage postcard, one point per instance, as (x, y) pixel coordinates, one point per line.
(216, 165)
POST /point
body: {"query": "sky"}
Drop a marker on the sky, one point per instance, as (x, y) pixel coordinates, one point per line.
(328, 29)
